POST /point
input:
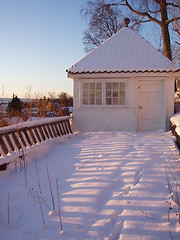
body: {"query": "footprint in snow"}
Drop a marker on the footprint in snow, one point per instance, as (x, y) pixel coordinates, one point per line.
(137, 176)
(124, 191)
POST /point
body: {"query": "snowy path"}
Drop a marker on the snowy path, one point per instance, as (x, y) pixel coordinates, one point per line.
(112, 186)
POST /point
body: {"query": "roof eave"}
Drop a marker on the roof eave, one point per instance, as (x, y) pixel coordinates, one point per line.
(152, 73)
(125, 71)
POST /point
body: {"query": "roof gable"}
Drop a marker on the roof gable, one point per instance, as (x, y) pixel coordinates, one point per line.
(125, 51)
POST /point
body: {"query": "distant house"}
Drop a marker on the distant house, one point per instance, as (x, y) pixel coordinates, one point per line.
(124, 84)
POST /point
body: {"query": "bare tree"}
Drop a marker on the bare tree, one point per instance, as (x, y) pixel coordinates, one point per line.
(175, 17)
(161, 12)
(104, 21)
(176, 54)
(164, 13)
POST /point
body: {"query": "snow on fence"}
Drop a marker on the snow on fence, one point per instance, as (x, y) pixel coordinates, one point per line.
(14, 138)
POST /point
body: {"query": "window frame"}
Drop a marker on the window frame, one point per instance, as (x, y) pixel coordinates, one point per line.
(90, 91)
(103, 93)
(114, 94)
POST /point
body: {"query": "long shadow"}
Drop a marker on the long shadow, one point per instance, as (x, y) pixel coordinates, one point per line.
(119, 188)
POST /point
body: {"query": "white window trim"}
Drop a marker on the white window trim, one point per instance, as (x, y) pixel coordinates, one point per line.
(103, 105)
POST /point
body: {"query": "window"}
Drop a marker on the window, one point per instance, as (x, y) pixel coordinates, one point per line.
(104, 93)
(115, 93)
(92, 93)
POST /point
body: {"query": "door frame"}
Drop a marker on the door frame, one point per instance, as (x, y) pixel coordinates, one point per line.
(139, 82)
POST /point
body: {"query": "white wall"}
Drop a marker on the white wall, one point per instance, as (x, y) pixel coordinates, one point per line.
(104, 118)
(169, 98)
(122, 118)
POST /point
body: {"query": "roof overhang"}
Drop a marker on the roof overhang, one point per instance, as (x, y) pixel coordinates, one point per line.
(115, 74)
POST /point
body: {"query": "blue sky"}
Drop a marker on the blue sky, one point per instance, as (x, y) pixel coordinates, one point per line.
(39, 40)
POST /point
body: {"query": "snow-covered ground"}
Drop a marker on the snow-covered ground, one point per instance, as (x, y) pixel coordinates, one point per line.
(112, 186)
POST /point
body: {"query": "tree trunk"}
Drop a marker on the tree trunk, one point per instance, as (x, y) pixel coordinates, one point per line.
(165, 30)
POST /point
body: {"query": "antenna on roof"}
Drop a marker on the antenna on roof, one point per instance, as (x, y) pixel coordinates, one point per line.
(126, 21)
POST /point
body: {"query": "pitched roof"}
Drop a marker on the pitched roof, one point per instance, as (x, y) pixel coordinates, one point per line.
(125, 51)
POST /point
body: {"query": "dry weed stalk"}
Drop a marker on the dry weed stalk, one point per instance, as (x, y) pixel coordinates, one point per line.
(39, 185)
(8, 210)
(1, 217)
(32, 194)
(23, 163)
(20, 161)
(178, 202)
(19, 219)
(172, 175)
(60, 221)
(172, 168)
(35, 194)
(50, 187)
(42, 215)
(38, 195)
(171, 235)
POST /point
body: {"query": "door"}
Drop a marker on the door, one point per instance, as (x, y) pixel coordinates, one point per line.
(150, 106)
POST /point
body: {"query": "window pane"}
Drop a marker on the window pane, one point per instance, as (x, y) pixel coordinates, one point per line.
(85, 93)
(108, 101)
(115, 86)
(122, 94)
(85, 100)
(85, 85)
(122, 86)
(92, 101)
(92, 85)
(115, 93)
(98, 101)
(98, 85)
(92, 93)
(98, 93)
(115, 101)
(108, 93)
(122, 101)
(108, 85)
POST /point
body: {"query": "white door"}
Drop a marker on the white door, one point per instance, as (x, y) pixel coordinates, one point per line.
(150, 115)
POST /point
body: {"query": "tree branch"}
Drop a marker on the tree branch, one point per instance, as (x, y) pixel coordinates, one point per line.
(145, 14)
(116, 4)
(141, 21)
(154, 12)
(157, 1)
(172, 20)
(172, 4)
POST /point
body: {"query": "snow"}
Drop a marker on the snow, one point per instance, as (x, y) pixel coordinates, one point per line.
(178, 130)
(175, 120)
(32, 123)
(112, 186)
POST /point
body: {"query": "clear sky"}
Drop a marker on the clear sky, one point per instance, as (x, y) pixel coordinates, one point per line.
(39, 40)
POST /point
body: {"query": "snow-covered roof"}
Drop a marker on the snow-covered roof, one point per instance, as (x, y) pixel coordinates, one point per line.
(125, 51)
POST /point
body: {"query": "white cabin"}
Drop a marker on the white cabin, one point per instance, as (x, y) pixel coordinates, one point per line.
(123, 85)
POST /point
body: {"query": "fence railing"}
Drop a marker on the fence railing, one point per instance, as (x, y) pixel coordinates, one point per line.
(14, 138)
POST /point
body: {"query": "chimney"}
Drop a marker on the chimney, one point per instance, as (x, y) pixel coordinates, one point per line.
(126, 21)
